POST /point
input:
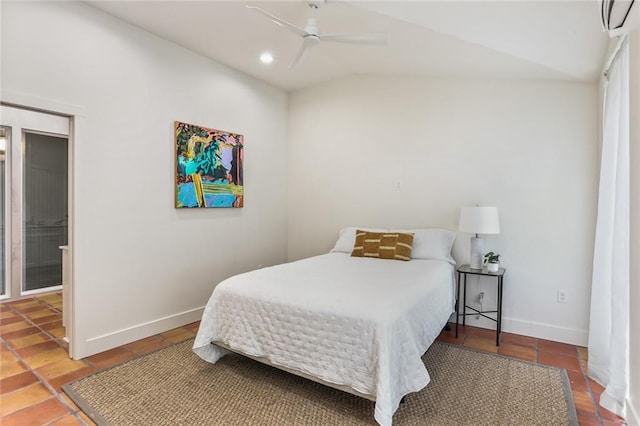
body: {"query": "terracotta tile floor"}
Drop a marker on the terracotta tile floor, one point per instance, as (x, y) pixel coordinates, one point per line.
(34, 363)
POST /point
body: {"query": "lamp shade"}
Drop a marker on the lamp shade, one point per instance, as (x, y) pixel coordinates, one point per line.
(479, 220)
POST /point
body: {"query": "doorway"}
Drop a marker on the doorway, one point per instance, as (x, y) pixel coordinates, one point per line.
(34, 215)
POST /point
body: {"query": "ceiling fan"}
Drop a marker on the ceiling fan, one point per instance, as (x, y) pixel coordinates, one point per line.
(311, 35)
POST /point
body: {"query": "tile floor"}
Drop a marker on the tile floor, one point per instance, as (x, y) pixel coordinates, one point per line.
(34, 363)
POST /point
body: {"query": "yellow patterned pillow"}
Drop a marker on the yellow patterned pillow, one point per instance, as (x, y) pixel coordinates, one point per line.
(383, 245)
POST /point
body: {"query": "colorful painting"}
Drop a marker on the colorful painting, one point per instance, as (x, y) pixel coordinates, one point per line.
(208, 167)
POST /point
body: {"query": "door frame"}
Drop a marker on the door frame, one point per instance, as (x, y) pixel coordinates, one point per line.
(21, 122)
(77, 122)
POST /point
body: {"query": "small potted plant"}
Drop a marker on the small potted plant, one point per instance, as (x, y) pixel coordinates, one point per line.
(493, 261)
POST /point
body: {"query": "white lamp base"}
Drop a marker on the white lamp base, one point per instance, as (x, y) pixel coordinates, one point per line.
(477, 248)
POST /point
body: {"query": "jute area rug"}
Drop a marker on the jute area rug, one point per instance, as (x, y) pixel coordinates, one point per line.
(173, 386)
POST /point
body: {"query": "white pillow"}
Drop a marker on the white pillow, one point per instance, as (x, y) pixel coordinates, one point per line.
(432, 243)
(347, 238)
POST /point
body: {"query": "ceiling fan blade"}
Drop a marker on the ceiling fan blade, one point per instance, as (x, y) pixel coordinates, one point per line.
(365, 38)
(281, 22)
(307, 44)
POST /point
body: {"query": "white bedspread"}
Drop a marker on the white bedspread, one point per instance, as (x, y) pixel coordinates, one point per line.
(358, 322)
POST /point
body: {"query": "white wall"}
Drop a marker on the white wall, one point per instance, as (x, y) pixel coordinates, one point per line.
(529, 147)
(633, 417)
(141, 266)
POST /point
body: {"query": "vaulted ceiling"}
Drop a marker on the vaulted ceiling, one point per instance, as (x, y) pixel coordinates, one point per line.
(520, 39)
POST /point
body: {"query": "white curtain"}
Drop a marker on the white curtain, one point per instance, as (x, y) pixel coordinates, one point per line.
(609, 322)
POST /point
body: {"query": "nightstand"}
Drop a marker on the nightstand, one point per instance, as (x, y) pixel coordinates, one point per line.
(465, 270)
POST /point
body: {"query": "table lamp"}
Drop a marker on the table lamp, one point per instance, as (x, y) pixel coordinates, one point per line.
(478, 220)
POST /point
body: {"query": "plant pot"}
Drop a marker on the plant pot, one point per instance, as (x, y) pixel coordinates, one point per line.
(493, 267)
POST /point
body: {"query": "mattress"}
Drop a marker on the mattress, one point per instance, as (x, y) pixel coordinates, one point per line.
(352, 322)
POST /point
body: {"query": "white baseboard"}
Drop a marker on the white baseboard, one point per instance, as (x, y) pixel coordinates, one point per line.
(572, 336)
(633, 414)
(539, 330)
(117, 338)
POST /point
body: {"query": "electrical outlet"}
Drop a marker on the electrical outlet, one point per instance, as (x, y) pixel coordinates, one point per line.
(562, 296)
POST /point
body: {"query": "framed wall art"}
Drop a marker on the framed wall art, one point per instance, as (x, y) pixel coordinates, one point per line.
(208, 167)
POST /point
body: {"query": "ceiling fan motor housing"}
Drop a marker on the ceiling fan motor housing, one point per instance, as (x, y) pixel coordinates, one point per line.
(312, 26)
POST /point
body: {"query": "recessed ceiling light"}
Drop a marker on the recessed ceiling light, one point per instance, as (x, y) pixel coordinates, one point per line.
(266, 58)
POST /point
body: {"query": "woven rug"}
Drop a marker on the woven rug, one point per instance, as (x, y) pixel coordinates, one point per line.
(173, 386)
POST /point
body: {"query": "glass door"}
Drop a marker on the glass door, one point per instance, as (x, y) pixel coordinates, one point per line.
(34, 197)
(44, 207)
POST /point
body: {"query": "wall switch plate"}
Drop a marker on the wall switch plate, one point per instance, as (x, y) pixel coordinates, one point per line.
(562, 296)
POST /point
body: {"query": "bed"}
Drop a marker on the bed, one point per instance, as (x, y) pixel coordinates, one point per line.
(354, 323)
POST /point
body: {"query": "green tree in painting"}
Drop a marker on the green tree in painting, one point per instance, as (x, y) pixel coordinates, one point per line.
(196, 153)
